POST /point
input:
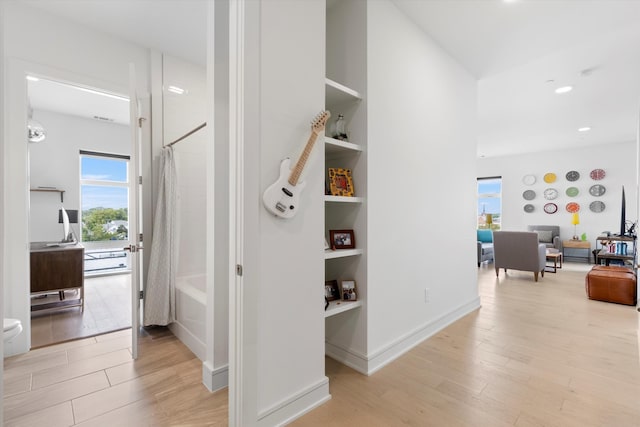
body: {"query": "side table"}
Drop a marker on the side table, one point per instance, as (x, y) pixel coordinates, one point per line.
(576, 249)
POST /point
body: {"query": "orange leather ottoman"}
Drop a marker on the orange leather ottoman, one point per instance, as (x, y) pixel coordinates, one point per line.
(611, 284)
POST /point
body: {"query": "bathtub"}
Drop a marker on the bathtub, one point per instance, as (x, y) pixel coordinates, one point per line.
(191, 304)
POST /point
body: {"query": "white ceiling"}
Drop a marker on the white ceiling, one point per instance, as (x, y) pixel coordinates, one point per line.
(513, 49)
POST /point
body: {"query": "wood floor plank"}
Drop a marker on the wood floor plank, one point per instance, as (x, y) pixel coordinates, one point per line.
(60, 415)
(100, 348)
(80, 368)
(26, 403)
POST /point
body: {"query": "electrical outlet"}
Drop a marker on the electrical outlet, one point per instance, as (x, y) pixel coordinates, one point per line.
(426, 295)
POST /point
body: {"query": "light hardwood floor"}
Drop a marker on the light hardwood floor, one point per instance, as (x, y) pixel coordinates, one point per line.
(535, 354)
(94, 382)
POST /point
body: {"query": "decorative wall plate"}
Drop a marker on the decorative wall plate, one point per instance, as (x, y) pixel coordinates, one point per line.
(572, 176)
(528, 180)
(550, 177)
(572, 191)
(597, 206)
(597, 190)
(550, 193)
(551, 208)
(572, 207)
(528, 208)
(597, 174)
(529, 195)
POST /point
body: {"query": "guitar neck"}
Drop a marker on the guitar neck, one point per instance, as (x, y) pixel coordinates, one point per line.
(302, 161)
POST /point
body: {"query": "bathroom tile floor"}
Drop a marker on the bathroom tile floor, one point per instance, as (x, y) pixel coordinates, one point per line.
(94, 382)
(107, 308)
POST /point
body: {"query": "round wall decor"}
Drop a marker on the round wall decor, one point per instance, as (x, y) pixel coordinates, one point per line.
(597, 174)
(597, 206)
(597, 190)
(551, 208)
(549, 177)
(528, 179)
(550, 193)
(572, 191)
(572, 207)
(572, 176)
(529, 195)
(528, 208)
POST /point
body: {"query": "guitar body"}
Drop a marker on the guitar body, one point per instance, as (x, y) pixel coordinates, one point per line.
(281, 198)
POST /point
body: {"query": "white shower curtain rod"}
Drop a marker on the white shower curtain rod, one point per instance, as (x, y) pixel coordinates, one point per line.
(186, 135)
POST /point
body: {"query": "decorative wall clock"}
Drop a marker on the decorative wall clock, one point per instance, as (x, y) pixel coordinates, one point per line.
(597, 206)
(572, 191)
(528, 208)
(550, 193)
(551, 208)
(528, 179)
(550, 177)
(529, 195)
(597, 174)
(572, 207)
(572, 176)
(597, 190)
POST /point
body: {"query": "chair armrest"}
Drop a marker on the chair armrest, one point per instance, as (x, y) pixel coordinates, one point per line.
(542, 256)
(557, 243)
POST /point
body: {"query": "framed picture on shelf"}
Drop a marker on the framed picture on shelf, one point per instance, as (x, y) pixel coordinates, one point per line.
(348, 290)
(342, 239)
(340, 182)
(331, 290)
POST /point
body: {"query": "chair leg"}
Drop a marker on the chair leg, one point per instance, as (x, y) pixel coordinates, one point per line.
(497, 271)
(535, 275)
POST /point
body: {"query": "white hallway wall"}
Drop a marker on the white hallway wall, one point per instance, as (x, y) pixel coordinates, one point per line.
(421, 183)
(283, 326)
(55, 163)
(617, 160)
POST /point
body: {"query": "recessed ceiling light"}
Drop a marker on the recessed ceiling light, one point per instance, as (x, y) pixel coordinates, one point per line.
(32, 79)
(564, 89)
(176, 89)
(584, 129)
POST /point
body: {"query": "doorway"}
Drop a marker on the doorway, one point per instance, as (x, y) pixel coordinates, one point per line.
(79, 163)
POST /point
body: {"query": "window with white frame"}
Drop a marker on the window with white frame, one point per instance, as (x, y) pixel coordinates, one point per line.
(104, 194)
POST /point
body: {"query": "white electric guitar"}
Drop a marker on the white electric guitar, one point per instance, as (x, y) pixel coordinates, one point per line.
(281, 198)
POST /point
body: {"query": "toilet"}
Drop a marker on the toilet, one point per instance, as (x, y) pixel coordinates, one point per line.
(12, 328)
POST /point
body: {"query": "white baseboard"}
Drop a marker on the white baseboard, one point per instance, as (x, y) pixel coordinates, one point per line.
(215, 379)
(368, 364)
(190, 340)
(295, 406)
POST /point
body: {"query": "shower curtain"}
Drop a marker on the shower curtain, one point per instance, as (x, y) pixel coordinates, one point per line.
(159, 298)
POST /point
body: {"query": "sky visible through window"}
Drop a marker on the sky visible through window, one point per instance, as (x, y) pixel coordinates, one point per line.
(104, 169)
(489, 204)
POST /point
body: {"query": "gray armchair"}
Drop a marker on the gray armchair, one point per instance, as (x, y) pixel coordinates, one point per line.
(518, 250)
(551, 241)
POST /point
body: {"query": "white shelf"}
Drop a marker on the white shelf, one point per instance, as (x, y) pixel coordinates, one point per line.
(335, 146)
(343, 199)
(336, 94)
(341, 253)
(337, 307)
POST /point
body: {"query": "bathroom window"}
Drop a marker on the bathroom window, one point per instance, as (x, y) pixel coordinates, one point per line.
(104, 195)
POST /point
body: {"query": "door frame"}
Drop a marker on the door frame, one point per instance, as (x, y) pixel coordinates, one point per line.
(16, 200)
